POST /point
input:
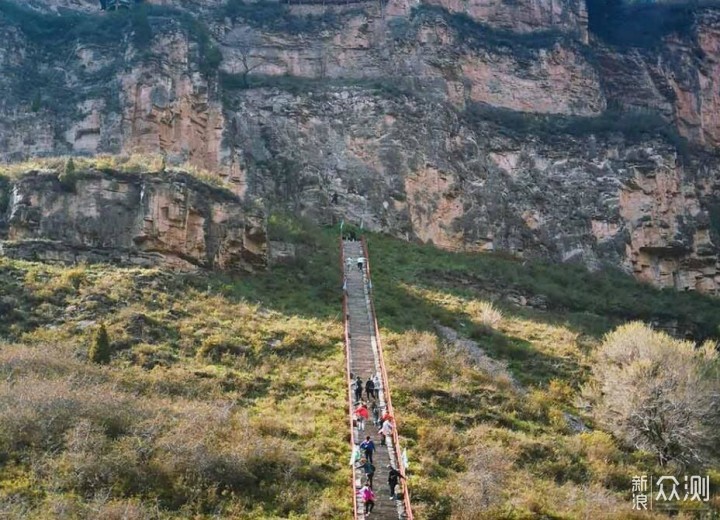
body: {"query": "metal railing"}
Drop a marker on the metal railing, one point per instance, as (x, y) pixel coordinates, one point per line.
(351, 408)
(386, 386)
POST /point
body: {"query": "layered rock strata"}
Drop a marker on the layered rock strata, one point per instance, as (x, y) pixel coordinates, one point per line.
(170, 220)
(368, 112)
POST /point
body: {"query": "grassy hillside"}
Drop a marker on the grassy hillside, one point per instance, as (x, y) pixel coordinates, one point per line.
(225, 396)
(221, 400)
(493, 429)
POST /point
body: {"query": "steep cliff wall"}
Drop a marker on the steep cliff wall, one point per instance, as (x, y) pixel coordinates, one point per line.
(524, 16)
(171, 220)
(678, 78)
(392, 165)
(478, 126)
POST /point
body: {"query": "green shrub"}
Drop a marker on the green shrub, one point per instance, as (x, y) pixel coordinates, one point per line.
(633, 125)
(480, 36)
(276, 16)
(351, 232)
(53, 30)
(142, 31)
(100, 350)
(68, 176)
(4, 195)
(214, 347)
(36, 103)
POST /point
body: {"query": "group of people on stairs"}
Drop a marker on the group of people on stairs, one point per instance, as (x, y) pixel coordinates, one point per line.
(363, 457)
(368, 495)
(371, 387)
(363, 454)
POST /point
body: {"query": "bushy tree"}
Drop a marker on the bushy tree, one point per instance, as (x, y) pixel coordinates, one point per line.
(100, 348)
(658, 394)
(69, 174)
(36, 104)
(247, 42)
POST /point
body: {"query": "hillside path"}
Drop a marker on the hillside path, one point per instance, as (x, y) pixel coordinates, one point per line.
(364, 361)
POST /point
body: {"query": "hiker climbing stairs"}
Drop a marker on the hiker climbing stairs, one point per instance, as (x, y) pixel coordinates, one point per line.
(365, 360)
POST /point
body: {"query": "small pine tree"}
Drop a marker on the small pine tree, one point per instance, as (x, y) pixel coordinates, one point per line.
(36, 103)
(100, 348)
(70, 167)
(69, 175)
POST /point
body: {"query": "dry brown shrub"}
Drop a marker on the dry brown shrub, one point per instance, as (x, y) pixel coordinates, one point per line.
(484, 313)
(36, 412)
(443, 442)
(658, 394)
(120, 510)
(92, 462)
(482, 486)
(417, 351)
(44, 360)
(213, 443)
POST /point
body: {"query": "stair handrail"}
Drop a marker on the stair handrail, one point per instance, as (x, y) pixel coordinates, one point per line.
(347, 379)
(386, 387)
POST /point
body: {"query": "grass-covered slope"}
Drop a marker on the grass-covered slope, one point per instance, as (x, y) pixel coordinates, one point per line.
(493, 422)
(224, 397)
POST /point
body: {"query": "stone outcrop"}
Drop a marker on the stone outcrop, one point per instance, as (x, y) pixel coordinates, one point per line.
(171, 220)
(117, 98)
(599, 201)
(168, 107)
(680, 79)
(524, 16)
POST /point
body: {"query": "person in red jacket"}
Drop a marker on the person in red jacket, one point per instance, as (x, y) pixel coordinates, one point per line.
(362, 415)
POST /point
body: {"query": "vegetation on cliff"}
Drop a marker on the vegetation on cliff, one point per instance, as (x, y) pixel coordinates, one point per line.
(69, 169)
(224, 396)
(633, 125)
(477, 35)
(276, 16)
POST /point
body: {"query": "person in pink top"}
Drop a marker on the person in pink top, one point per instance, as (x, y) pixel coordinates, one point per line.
(368, 498)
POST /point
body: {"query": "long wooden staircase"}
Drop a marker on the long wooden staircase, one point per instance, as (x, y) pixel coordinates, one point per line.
(365, 359)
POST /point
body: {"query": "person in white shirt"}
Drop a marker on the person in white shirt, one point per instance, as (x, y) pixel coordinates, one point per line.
(385, 431)
(360, 262)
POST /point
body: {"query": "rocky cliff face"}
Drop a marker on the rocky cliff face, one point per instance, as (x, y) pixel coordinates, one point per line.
(680, 79)
(477, 126)
(174, 221)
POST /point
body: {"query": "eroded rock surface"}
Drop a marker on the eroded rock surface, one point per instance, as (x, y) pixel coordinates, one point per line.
(368, 112)
(171, 220)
